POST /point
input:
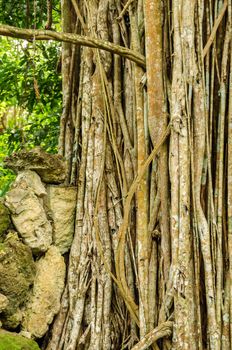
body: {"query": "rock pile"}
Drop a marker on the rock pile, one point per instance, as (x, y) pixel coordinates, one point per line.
(32, 268)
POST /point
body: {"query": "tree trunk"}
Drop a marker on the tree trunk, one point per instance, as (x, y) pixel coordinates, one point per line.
(150, 236)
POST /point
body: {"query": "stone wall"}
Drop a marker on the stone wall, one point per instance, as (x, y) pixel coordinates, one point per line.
(37, 228)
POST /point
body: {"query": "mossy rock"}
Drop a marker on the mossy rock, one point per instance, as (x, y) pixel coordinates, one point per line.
(4, 218)
(52, 168)
(14, 341)
(17, 271)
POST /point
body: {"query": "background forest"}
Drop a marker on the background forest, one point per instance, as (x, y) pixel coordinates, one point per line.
(30, 84)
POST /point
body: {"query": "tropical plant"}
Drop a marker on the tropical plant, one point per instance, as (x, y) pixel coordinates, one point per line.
(30, 100)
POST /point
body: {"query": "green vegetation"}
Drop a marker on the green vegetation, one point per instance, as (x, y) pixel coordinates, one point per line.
(10, 341)
(28, 13)
(30, 85)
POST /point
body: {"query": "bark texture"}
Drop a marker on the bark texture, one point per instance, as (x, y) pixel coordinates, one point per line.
(151, 237)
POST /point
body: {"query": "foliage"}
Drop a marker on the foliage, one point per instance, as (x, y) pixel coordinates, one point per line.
(32, 113)
(30, 99)
(28, 13)
(6, 176)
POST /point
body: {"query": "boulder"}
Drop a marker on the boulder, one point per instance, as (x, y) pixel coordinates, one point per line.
(17, 271)
(27, 212)
(44, 302)
(30, 179)
(61, 203)
(4, 218)
(50, 167)
(4, 302)
(14, 341)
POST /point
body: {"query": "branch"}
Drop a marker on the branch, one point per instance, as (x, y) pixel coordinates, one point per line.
(215, 28)
(34, 34)
(129, 2)
(163, 330)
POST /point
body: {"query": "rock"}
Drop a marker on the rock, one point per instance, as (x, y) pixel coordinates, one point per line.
(17, 271)
(61, 203)
(4, 218)
(4, 301)
(12, 321)
(50, 167)
(27, 212)
(14, 341)
(30, 179)
(44, 302)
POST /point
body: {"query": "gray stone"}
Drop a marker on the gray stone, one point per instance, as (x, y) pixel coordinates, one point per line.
(61, 203)
(44, 302)
(30, 179)
(50, 167)
(4, 302)
(27, 212)
(17, 271)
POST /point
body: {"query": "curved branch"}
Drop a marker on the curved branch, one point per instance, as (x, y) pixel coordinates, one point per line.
(215, 28)
(161, 331)
(119, 265)
(34, 34)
